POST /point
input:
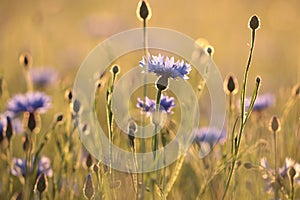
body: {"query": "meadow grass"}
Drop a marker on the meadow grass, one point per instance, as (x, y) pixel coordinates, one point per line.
(255, 156)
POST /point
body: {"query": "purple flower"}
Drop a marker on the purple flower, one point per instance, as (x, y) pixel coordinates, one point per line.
(16, 123)
(29, 102)
(269, 174)
(262, 102)
(42, 77)
(166, 104)
(210, 135)
(166, 67)
(44, 166)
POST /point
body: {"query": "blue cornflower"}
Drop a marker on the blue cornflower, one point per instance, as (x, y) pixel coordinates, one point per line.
(2, 126)
(44, 166)
(210, 135)
(166, 104)
(43, 76)
(262, 102)
(30, 102)
(167, 67)
(16, 122)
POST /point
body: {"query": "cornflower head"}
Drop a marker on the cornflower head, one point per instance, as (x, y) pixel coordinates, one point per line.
(210, 136)
(43, 76)
(19, 167)
(30, 102)
(262, 102)
(166, 68)
(166, 105)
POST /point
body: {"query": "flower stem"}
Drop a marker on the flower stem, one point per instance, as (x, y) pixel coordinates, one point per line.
(154, 137)
(143, 117)
(275, 161)
(243, 121)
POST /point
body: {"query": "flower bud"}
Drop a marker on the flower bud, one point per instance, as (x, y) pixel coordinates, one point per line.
(254, 22)
(274, 124)
(143, 11)
(88, 188)
(25, 60)
(162, 83)
(41, 183)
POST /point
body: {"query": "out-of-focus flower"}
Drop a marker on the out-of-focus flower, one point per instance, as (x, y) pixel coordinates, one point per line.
(210, 136)
(269, 174)
(16, 123)
(262, 102)
(30, 102)
(166, 104)
(44, 166)
(43, 76)
(166, 67)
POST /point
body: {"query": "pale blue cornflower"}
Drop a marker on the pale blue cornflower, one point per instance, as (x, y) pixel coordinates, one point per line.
(262, 102)
(210, 136)
(166, 104)
(44, 166)
(166, 67)
(43, 76)
(30, 102)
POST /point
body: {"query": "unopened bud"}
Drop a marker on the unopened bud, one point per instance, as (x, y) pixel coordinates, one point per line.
(254, 22)
(41, 183)
(25, 60)
(274, 124)
(88, 189)
(143, 11)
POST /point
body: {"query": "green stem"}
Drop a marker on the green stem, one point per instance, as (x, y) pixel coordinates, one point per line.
(154, 137)
(243, 121)
(143, 117)
(275, 164)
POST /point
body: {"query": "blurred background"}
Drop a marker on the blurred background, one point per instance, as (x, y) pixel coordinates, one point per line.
(62, 33)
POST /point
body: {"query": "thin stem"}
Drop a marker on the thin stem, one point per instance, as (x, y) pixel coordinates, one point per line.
(154, 137)
(275, 160)
(143, 117)
(243, 121)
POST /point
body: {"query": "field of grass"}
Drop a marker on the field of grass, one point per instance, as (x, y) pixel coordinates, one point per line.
(45, 128)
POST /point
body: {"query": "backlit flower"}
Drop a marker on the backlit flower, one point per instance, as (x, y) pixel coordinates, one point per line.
(30, 102)
(166, 104)
(210, 135)
(43, 76)
(262, 102)
(166, 67)
(44, 166)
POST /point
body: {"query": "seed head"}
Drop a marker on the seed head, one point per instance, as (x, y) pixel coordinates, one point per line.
(162, 83)
(89, 161)
(231, 85)
(296, 90)
(143, 11)
(274, 124)
(292, 173)
(26, 143)
(88, 188)
(9, 129)
(68, 95)
(41, 183)
(25, 60)
(210, 50)
(76, 106)
(115, 69)
(248, 165)
(254, 22)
